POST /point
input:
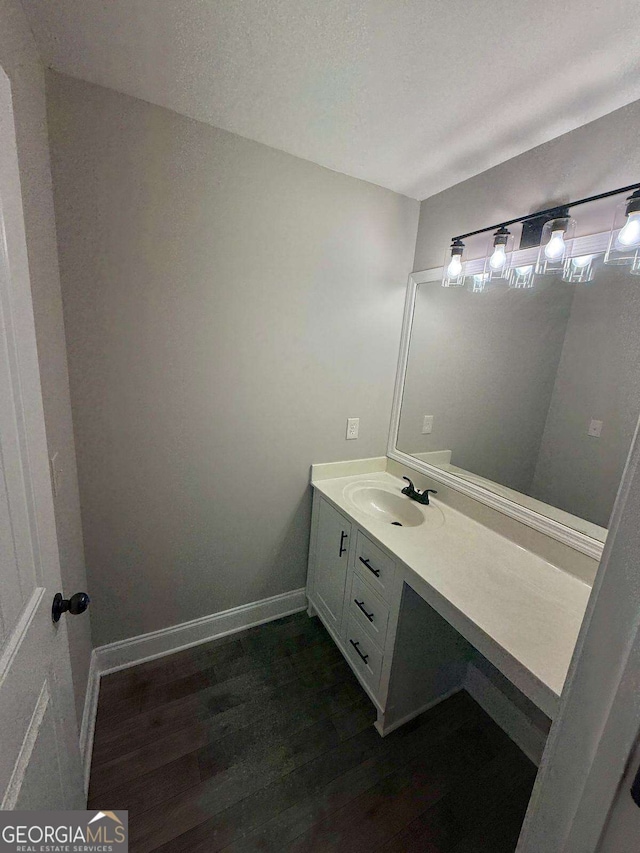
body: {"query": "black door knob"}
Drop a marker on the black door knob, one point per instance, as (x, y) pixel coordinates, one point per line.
(78, 603)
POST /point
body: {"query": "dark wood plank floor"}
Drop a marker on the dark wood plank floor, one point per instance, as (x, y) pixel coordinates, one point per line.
(263, 741)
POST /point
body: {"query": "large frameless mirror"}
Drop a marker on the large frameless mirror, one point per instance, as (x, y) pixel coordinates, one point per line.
(524, 392)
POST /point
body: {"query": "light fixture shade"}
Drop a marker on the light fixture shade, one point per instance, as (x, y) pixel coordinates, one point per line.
(579, 270)
(499, 253)
(521, 278)
(453, 268)
(624, 239)
(556, 243)
(479, 282)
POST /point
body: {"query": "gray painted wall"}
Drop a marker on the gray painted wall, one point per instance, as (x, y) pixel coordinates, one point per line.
(599, 156)
(20, 62)
(227, 307)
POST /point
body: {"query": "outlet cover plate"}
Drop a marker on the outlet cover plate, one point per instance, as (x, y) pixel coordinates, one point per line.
(353, 428)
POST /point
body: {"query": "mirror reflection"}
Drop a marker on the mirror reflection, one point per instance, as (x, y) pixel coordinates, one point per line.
(531, 392)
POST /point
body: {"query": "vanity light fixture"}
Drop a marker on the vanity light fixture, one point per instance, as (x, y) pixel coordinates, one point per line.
(521, 278)
(454, 266)
(552, 232)
(624, 240)
(579, 270)
(498, 259)
(555, 245)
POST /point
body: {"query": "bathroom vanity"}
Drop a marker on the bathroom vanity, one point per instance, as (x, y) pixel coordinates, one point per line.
(411, 593)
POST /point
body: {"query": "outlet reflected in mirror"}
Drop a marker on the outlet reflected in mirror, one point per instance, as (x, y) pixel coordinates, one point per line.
(532, 393)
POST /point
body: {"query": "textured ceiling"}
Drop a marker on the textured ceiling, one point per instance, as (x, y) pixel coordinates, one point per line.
(414, 95)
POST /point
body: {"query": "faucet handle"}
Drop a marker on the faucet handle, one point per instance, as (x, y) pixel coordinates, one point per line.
(411, 486)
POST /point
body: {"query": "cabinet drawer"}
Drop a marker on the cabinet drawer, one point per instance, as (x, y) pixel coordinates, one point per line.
(374, 565)
(364, 654)
(369, 610)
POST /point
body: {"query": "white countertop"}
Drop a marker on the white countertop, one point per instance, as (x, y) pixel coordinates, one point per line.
(518, 610)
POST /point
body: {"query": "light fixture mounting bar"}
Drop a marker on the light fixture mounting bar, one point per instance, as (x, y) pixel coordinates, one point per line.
(549, 210)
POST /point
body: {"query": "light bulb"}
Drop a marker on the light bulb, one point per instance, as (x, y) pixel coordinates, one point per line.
(630, 235)
(455, 266)
(555, 248)
(582, 261)
(523, 270)
(498, 258)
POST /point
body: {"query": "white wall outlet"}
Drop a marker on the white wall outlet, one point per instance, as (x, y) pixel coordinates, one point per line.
(595, 428)
(427, 425)
(55, 467)
(353, 428)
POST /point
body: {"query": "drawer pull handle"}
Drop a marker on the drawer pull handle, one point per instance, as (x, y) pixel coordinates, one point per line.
(364, 658)
(343, 550)
(361, 606)
(366, 562)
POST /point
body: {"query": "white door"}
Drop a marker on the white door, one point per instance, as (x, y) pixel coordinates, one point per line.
(622, 832)
(39, 752)
(581, 801)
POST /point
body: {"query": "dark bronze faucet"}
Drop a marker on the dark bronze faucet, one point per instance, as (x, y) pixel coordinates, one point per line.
(419, 497)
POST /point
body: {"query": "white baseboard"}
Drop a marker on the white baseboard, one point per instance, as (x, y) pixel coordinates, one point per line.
(166, 641)
(508, 716)
(88, 724)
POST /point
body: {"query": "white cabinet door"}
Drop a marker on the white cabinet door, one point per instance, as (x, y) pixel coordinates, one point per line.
(332, 557)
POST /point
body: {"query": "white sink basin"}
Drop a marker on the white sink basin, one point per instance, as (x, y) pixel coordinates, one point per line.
(390, 507)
